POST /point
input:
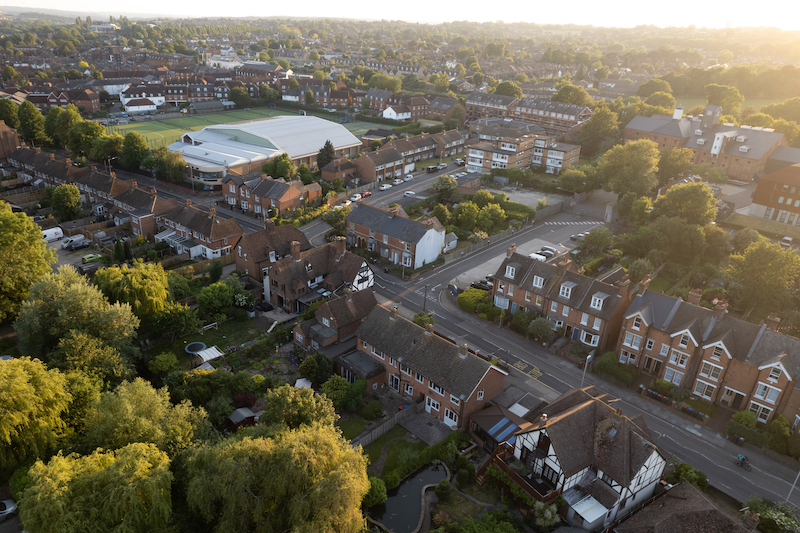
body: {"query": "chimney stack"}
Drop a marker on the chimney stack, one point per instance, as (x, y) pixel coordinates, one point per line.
(187, 202)
(393, 210)
(511, 250)
(429, 329)
(543, 418)
(212, 212)
(340, 244)
(68, 161)
(393, 316)
(51, 156)
(112, 174)
(153, 192)
(269, 225)
(694, 296)
(295, 250)
(348, 294)
(463, 350)
(644, 284)
(135, 185)
(773, 322)
(720, 307)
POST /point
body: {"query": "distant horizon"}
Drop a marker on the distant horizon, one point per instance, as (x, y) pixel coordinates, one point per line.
(622, 14)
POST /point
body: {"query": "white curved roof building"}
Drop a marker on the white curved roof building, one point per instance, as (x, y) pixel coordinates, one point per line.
(243, 147)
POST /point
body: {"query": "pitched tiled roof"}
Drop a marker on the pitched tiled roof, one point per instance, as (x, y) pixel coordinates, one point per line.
(273, 238)
(383, 157)
(348, 308)
(323, 261)
(480, 98)
(203, 222)
(428, 354)
(395, 226)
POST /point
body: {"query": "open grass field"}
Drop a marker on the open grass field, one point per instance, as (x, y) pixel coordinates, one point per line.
(162, 132)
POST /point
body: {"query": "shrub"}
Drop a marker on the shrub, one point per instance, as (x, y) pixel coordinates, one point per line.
(610, 365)
(461, 462)
(392, 479)
(18, 481)
(443, 490)
(750, 435)
(308, 369)
(244, 399)
(469, 299)
(372, 410)
(746, 418)
(662, 386)
(685, 472)
(465, 476)
(376, 494)
(440, 519)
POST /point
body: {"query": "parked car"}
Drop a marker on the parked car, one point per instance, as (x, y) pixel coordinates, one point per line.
(550, 249)
(408, 177)
(77, 245)
(409, 193)
(441, 166)
(397, 181)
(547, 253)
(461, 174)
(365, 194)
(431, 169)
(8, 508)
(787, 242)
(66, 243)
(385, 187)
(579, 236)
(90, 258)
(482, 285)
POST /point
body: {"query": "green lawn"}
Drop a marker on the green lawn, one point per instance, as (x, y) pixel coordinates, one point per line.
(458, 508)
(352, 427)
(396, 451)
(373, 449)
(660, 284)
(486, 494)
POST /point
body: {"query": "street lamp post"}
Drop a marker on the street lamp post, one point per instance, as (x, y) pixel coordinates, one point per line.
(425, 298)
(585, 366)
(792, 488)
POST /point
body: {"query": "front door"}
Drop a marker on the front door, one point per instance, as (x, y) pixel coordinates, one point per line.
(431, 405)
(394, 382)
(575, 333)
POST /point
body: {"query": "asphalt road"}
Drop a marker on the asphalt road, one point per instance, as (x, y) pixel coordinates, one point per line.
(546, 376)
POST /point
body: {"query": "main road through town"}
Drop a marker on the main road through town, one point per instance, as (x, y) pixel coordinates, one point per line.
(544, 375)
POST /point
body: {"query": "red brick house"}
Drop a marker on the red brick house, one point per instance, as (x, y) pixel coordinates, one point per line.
(335, 320)
(142, 207)
(776, 195)
(199, 233)
(342, 169)
(382, 165)
(453, 382)
(589, 311)
(256, 251)
(262, 196)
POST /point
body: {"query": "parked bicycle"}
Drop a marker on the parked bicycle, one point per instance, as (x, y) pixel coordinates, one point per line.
(741, 460)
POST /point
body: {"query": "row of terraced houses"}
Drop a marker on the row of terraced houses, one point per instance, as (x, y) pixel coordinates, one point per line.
(721, 359)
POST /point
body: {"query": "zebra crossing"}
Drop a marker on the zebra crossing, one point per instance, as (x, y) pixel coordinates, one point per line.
(574, 223)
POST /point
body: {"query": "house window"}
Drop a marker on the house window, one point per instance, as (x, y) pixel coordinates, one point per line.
(596, 325)
(553, 307)
(298, 337)
(391, 361)
(766, 393)
(454, 400)
(405, 370)
(407, 261)
(684, 341)
(597, 303)
(634, 341)
(436, 388)
(539, 300)
(650, 344)
(450, 415)
(538, 282)
(433, 403)
(584, 318)
(326, 321)
(419, 377)
(377, 353)
(704, 390)
(565, 311)
(762, 413)
(637, 323)
(510, 272)
(565, 291)
(627, 357)
(385, 239)
(511, 290)
(774, 374)
(717, 353)
(711, 371)
(664, 349)
(674, 376)
(678, 358)
(409, 390)
(231, 188)
(589, 339)
(480, 395)
(527, 296)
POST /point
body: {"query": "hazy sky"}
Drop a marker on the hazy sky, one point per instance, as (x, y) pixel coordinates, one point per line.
(624, 13)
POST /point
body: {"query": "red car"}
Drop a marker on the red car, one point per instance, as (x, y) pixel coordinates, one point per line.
(365, 194)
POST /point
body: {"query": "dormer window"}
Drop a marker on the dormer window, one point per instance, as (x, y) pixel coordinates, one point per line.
(510, 272)
(637, 323)
(774, 374)
(309, 268)
(717, 353)
(272, 257)
(566, 289)
(326, 322)
(538, 282)
(684, 341)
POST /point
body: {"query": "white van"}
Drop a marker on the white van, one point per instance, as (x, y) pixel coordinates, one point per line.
(76, 238)
(52, 234)
(538, 257)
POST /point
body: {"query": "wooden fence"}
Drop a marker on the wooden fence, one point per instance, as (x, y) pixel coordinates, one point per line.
(385, 426)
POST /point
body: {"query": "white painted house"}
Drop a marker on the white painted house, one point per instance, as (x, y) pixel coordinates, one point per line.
(603, 463)
(397, 112)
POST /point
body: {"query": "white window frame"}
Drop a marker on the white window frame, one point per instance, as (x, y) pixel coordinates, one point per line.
(684, 341)
(527, 296)
(419, 377)
(772, 377)
(762, 411)
(378, 354)
(593, 339)
(678, 358)
(584, 319)
(435, 388)
(632, 340)
(510, 291)
(670, 374)
(710, 371)
(454, 400)
(554, 307)
(409, 389)
(664, 349)
(538, 282)
(637, 323)
(405, 370)
(649, 345)
(701, 389)
(766, 393)
(510, 272)
(480, 395)
(717, 353)
(565, 291)
(597, 303)
(565, 310)
(451, 415)
(597, 323)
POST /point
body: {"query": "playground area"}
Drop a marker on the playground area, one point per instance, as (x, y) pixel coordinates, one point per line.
(164, 131)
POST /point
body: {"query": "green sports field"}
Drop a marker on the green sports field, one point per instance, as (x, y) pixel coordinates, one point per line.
(161, 132)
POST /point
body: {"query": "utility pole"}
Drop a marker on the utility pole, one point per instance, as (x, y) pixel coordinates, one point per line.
(425, 298)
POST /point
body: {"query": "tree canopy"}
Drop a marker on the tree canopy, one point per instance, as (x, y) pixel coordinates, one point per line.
(24, 259)
(508, 88)
(31, 124)
(119, 491)
(304, 479)
(32, 402)
(693, 202)
(66, 201)
(326, 154)
(600, 131)
(295, 407)
(64, 301)
(145, 286)
(134, 150)
(631, 167)
(137, 412)
(763, 273)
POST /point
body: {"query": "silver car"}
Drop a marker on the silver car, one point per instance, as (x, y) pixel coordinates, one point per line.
(8, 508)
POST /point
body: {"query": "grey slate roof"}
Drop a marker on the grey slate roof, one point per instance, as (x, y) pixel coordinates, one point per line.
(395, 226)
(553, 107)
(498, 100)
(428, 354)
